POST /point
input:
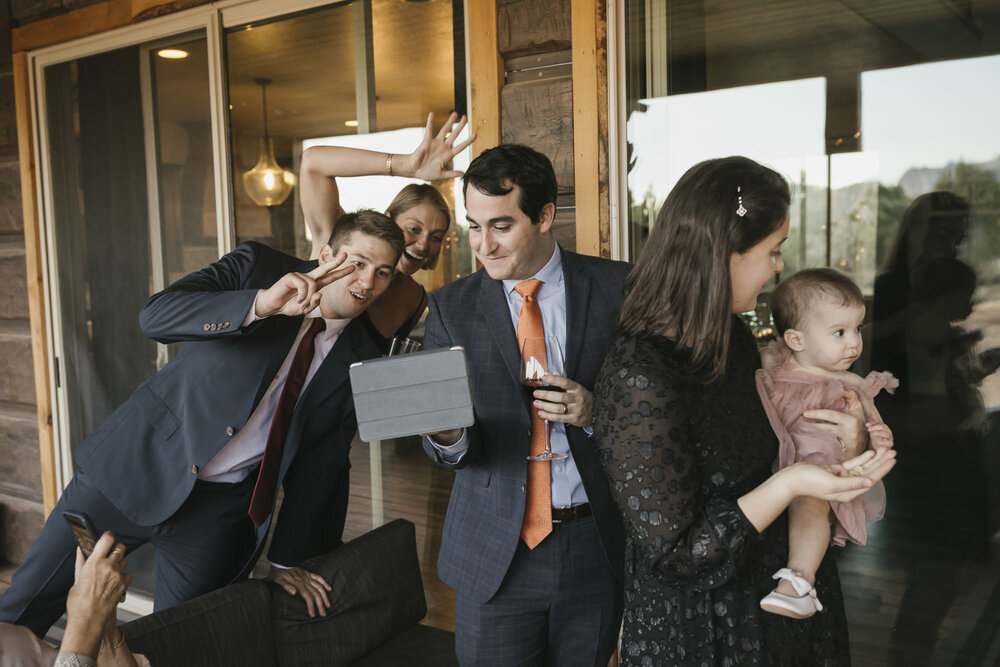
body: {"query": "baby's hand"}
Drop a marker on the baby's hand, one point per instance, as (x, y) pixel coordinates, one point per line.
(880, 435)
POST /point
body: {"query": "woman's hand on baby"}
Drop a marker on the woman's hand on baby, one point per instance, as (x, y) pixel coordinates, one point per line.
(848, 427)
(845, 481)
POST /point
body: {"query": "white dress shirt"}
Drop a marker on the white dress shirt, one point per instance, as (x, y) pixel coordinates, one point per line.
(567, 485)
(246, 449)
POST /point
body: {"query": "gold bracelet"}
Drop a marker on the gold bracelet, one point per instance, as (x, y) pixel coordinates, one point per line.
(388, 164)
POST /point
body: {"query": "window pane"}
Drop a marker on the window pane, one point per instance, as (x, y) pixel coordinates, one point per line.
(133, 208)
(884, 120)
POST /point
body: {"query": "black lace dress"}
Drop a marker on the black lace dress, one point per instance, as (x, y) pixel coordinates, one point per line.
(678, 453)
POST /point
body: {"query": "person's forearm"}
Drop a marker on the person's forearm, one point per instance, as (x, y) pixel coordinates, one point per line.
(766, 502)
(83, 635)
(115, 652)
(333, 161)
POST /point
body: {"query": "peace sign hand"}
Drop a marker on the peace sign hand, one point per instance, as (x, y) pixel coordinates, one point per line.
(299, 293)
(431, 158)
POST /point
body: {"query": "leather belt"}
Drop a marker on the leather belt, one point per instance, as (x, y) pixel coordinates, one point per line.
(564, 514)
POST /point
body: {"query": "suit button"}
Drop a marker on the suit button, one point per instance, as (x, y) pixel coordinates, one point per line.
(522, 488)
(226, 325)
(230, 430)
(207, 327)
(213, 326)
(194, 470)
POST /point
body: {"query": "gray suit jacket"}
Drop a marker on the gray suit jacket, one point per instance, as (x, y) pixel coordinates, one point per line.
(146, 456)
(483, 524)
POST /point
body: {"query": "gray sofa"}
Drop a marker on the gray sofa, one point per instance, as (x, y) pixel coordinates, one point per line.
(377, 601)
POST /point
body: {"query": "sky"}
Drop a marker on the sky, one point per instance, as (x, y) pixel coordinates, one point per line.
(917, 116)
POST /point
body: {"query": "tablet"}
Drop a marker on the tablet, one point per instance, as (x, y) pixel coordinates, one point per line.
(409, 394)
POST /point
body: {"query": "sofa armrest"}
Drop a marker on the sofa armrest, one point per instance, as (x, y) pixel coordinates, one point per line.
(229, 626)
(377, 594)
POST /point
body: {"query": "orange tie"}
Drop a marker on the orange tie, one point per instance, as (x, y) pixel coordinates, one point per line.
(537, 522)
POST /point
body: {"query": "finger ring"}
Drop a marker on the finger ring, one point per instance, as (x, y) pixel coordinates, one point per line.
(118, 551)
(843, 447)
(565, 408)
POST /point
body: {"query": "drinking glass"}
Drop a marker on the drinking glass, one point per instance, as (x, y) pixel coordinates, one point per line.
(403, 345)
(539, 356)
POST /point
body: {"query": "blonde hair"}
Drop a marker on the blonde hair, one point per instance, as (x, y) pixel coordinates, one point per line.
(415, 194)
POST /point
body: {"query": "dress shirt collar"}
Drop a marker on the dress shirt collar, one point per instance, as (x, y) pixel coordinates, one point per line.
(333, 327)
(550, 274)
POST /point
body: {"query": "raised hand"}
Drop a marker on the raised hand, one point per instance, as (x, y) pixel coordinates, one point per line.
(299, 293)
(431, 158)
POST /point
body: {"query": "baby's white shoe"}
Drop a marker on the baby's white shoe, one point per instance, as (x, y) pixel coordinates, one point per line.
(803, 606)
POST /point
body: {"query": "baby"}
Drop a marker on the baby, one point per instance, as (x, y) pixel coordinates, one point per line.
(818, 314)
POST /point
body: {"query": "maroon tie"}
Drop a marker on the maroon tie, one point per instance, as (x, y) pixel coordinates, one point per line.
(267, 478)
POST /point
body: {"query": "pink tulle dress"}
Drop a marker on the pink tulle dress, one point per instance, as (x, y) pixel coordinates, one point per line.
(786, 393)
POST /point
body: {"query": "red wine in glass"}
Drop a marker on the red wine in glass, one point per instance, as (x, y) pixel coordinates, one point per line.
(539, 357)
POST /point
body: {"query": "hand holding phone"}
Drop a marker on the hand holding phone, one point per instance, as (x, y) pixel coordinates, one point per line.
(83, 531)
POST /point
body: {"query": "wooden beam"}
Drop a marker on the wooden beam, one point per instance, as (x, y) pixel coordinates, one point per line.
(33, 248)
(486, 74)
(90, 20)
(590, 127)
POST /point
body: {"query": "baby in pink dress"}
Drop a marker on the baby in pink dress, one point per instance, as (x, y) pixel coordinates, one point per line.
(818, 313)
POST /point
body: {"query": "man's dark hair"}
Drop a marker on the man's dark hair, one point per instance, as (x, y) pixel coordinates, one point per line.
(369, 223)
(498, 170)
(681, 287)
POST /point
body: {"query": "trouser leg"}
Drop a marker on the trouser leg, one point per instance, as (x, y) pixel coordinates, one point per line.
(205, 544)
(37, 594)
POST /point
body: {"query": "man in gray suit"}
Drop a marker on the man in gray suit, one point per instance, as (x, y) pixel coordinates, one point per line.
(191, 461)
(558, 601)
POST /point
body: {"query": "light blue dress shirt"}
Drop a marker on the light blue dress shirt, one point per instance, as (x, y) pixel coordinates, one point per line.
(567, 486)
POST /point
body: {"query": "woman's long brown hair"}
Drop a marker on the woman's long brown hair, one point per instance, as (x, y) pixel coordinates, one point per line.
(680, 287)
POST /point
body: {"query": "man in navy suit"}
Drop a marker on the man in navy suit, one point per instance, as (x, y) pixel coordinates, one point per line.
(177, 463)
(558, 601)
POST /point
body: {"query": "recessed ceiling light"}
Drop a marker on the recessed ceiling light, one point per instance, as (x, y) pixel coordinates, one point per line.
(351, 123)
(172, 54)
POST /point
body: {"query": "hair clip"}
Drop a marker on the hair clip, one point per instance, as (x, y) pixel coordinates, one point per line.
(740, 211)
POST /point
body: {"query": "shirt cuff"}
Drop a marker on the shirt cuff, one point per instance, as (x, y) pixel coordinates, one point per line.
(452, 453)
(252, 315)
(279, 567)
(67, 659)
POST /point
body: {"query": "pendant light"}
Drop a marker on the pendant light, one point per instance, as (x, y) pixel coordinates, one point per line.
(267, 183)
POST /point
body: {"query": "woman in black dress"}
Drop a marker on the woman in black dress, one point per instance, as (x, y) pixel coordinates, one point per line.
(688, 449)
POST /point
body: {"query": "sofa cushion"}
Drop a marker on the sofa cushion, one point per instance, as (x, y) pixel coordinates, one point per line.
(230, 626)
(420, 646)
(376, 594)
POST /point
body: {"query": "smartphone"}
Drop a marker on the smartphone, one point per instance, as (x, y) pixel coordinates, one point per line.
(83, 531)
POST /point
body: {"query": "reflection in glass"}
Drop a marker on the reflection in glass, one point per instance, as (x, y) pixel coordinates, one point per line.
(885, 124)
(125, 222)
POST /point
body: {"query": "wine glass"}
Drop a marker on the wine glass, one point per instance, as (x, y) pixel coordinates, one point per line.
(541, 355)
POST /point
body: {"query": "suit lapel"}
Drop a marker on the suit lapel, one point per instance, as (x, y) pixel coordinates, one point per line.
(495, 314)
(577, 281)
(282, 338)
(333, 371)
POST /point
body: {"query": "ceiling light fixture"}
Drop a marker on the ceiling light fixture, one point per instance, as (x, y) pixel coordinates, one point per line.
(172, 54)
(268, 184)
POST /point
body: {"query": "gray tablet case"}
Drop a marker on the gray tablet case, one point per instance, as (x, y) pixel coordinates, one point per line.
(414, 393)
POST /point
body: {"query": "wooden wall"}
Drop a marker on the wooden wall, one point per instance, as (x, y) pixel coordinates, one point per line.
(537, 71)
(21, 507)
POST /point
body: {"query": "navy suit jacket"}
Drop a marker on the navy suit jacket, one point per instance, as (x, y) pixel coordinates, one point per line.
(146, 456)
(483, 524)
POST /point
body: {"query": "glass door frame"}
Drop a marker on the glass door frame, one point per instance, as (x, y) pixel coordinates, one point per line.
(212, 19)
